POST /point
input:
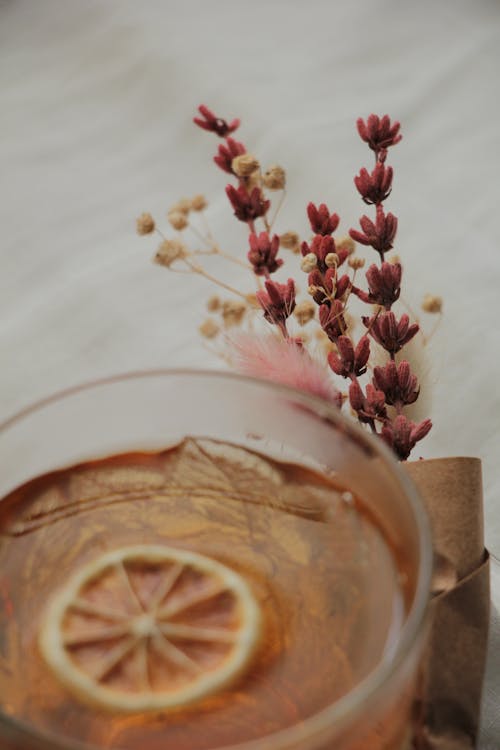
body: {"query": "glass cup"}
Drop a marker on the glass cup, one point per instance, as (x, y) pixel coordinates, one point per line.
(150, 411)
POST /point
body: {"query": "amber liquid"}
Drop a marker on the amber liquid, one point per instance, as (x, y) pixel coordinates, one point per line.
(325, 578)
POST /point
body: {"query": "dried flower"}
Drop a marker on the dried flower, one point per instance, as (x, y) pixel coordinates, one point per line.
(331, 260)
(304, 312)
(379, 235)
(397, 383)
(278, 301)
(177, 220)
(183, 206)
(145, 224)
(374, 187)
(321, 220)
(356, 263)
(390, 333)
(233, 312)
(291, 241)
(347, 361)
(331, 319)
(369, 407)
(432, 304)
(170, 251)
(274, 178)
(379, 133)
(213, 303)
(384, 285)
(227, 153)
(213, 123)
(262, 253)
(309, 262)
(394, 259)
(247, 206)
(198, 202)
(402, 435)
(209, 328)
(244, 165)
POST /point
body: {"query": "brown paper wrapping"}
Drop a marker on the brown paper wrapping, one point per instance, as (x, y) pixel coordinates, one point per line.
(448, 704)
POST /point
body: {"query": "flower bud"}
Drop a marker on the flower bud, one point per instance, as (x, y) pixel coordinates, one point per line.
(198, 202)
(304, 312)
(209, 328)
(432, 304)
(245, 165)
(177, 220)
(274, 178)
(331, 260)
(356, 263)
(309, 263)
(291, 241)
(145, 224)
(170, 251)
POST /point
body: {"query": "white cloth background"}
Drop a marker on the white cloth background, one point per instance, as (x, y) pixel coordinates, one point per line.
(96, 102)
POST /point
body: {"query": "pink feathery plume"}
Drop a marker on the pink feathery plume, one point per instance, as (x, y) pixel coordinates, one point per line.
(282, 361)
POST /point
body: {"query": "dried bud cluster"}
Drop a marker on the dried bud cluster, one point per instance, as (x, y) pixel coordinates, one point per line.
(145, 224)
(170, 251)
(178, 220)
(245, 165)
(274, 178)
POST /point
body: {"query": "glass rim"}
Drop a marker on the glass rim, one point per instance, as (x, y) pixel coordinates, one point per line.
(338, 713)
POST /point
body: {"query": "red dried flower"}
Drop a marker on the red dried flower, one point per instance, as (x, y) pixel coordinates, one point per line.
(326, 286)
(321, 220)
(262, 253)
(388, 332)
(379, 235)
(347, 360)
(278, 301)
(384, 285)
(378, 132)
(402, 434)
(374, 187)
(368, 407)
(332, 321)
(228, 152)
(320, 246)
(247, 206)
(213, 123)
(397, 382)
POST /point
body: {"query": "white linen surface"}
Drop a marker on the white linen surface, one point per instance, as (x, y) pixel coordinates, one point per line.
(97, 100)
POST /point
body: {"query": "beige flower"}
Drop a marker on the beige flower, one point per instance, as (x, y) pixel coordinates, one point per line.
(198, 202)
(432, 304)
(274, 178)
(178, 220)
(290, 241)
(233, 312)
(213, 303)
(245, 165)
(181, 207)
(309, 263)
(331, 260)
(304, 312)
(356, 263)
(145, 224)
(209, 328)
(170, 251)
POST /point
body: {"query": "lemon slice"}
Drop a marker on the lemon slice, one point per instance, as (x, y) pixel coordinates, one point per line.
(150, 627)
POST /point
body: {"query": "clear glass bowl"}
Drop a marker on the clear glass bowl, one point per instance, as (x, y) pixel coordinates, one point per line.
(151, 410)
